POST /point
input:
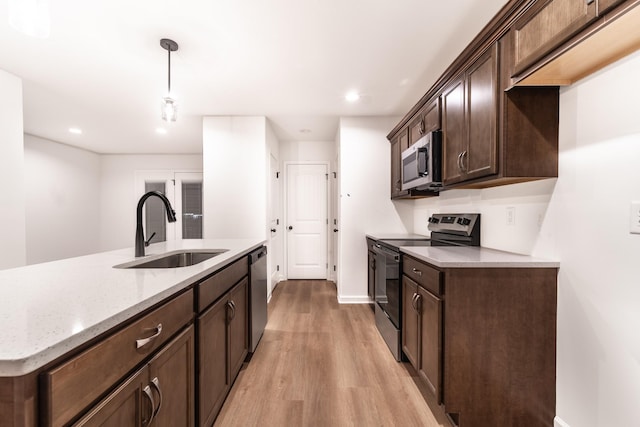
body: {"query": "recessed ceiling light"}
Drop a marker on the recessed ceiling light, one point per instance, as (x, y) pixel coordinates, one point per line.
(352, 96)
(305, 130)
(161, 131)
(76, 131)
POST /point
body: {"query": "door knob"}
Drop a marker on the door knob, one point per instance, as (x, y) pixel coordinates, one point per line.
(335, 230)
(273, 230)
(290, 228)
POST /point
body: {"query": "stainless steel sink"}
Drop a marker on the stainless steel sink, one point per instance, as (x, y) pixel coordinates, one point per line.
(173, 259)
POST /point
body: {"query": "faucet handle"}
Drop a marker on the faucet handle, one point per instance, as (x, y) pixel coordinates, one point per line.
(146, 242)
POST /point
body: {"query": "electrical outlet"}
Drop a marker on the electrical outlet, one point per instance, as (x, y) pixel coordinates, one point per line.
(634, 218)
(511, 215)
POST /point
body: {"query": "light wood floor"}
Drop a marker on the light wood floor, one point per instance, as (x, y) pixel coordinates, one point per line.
(321, 363)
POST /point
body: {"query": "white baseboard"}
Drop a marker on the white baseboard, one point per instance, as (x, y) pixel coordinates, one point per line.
(557, 422)
(353, 299)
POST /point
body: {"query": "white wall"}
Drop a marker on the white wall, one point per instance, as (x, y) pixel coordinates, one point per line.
(234, 167)
(63, 201)
(303, 151)
(365, 204)
(582, 219)
(12, 209)
(118, 198)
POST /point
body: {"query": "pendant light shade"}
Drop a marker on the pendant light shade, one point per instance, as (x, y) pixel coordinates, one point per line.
(169, 105)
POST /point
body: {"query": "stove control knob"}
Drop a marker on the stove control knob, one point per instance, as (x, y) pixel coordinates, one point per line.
(464, 221)
(433, 220)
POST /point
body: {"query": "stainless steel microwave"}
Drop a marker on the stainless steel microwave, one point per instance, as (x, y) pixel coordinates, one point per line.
(422, 163)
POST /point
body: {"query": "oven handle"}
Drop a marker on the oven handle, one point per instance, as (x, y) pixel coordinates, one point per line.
(379, 249)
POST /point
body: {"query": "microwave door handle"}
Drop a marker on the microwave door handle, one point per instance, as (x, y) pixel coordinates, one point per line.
(423, 152)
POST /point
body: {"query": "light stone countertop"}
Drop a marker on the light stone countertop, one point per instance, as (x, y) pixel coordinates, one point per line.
(395, 236)
(50, 308)
(475, 257)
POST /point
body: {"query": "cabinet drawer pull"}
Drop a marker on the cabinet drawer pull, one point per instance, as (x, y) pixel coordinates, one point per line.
(156, 384)
(417, 272)
(152, 412)
(460, 162)
(144, 341)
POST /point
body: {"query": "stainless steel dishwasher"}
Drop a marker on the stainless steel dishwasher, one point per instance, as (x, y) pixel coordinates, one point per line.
(258, 295)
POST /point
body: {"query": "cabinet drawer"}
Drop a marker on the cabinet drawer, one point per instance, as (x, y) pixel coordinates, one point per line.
(427, 277)
(71, 387)
(212, 288)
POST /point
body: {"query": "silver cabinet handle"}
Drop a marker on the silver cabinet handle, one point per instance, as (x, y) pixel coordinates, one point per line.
(156, 384)
(588, 2)
(144, 341)
(460, 162)
(417, 272)
(463, 155)
(421, 130)
(152, 414)
(414, 302)
(232, 306)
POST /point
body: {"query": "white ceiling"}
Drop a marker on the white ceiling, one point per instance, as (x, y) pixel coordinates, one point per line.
(102, 68)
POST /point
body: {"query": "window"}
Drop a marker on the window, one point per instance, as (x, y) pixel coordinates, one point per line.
(184, 191)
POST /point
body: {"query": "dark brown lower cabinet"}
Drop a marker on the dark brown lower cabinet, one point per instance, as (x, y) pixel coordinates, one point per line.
(224, 343)
(484, 341)
(422, 333)
(161, 392)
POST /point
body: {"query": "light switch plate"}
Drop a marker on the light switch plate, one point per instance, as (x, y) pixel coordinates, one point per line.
(634, 218)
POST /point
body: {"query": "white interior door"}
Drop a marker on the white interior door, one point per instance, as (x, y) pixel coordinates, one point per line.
(307, 221)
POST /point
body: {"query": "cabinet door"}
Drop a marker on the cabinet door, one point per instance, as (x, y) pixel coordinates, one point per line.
(546, 26)
(410, 321)
(128, 405)
(396, 183)
(431, 340)
(432, 116)
(212, 361)
(237, 311)
(480, 157)
(171, 374)
(453, 131)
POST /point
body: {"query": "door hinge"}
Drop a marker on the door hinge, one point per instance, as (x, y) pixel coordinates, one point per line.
(174, 182)
(277, 268)
(335, 175)
(277, 221)
(326, 175)
(327, 265)
(277, 175)
(334, 268)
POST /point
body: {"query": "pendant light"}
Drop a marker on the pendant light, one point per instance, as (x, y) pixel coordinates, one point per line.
(169, 105)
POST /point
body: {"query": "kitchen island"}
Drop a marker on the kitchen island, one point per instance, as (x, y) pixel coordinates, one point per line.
(54, 311)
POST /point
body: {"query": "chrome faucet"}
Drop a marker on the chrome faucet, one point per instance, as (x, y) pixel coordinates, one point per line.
(171, 217)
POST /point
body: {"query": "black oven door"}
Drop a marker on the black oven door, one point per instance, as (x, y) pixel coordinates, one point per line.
(387, 286)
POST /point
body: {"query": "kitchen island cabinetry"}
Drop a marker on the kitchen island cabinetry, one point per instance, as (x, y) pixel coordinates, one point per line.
(161, 392)
(223, 338)
(124, 348)
(498, 330)
(71, 387)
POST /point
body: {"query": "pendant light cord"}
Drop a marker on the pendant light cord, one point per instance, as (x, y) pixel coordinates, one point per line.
(169, 73)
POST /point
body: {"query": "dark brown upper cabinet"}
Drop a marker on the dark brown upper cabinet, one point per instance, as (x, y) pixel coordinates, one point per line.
(427, 120)
(547, 24)
(470, 111)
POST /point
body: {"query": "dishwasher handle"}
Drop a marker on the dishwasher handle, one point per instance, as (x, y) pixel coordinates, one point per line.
(255, 256)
